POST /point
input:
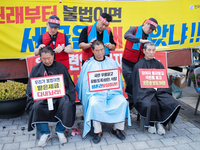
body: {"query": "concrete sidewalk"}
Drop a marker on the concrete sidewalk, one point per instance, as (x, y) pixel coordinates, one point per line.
(185, 133)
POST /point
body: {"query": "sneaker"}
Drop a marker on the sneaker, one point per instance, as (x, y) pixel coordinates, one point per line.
(152, 129)
(61, 137)
(43, 140)
(160, 129)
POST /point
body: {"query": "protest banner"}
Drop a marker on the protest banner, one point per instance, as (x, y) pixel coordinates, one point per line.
(178, 28)
(30, 62)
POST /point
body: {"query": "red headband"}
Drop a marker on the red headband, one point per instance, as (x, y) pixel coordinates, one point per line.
(104, 20)
(53, 21)
(153, 23)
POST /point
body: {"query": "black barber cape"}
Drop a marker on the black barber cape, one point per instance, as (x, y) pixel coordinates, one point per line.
(144, 98)
(64, 108)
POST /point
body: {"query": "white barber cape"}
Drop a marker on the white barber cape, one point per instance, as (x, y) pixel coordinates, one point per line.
(109, 106)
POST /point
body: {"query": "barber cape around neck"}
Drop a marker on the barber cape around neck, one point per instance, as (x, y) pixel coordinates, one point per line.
(139, 33)
(93, 34)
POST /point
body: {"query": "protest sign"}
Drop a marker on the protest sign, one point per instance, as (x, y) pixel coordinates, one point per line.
(153, 78)
(103, 80)
(30, 62)
(47, 87)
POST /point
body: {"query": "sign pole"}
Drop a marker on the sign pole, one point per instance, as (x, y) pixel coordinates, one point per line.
(50, 103)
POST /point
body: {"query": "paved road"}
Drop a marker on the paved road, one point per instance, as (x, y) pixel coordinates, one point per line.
(183, 136)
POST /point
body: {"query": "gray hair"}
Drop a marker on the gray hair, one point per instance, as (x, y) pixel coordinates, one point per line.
(149, 43)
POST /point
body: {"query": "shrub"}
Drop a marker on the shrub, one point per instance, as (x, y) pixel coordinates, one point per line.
(12, 90)
(192, 76)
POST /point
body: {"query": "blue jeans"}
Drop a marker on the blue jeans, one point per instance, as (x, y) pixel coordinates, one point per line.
(44, 129)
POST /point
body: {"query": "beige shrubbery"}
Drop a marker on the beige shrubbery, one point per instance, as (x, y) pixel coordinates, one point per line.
(12, 90)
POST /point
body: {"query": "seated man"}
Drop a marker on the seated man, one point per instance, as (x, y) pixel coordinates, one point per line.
(155, 105)
(64, 107)
(109, 106)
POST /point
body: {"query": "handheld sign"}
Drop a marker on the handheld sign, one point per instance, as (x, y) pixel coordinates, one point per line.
(47, 87)
(153, 78)
(30, 62)
(103, 80)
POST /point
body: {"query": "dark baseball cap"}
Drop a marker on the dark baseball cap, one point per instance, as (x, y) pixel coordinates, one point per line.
(153, 23)
(54, 21)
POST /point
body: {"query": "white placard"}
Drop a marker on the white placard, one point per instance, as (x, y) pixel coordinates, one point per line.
(47, 87)
(103, 80)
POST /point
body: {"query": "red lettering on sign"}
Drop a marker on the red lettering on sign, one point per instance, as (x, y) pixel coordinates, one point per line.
(32, 13)
(49, 93)
(47, 13)
(2, 15)
(19, 14)
(117, 34)
(9, 15)
(110, 84)
(39, 94)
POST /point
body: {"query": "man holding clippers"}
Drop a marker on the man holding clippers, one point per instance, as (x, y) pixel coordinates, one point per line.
(136, 37)
(58, 41)
(98, 31)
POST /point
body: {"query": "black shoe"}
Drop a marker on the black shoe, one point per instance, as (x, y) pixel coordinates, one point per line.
(97, 137)
(118, 134)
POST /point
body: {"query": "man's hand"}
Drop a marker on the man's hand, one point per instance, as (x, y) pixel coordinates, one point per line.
(110, 46)
(36, 51)
(58, 49)
(144, 41)
(84, 45)
(92, 41)
(41, 46)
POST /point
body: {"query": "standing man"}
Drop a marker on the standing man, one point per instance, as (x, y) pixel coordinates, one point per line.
(58, 41)
(97, 31)
(135, 39)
